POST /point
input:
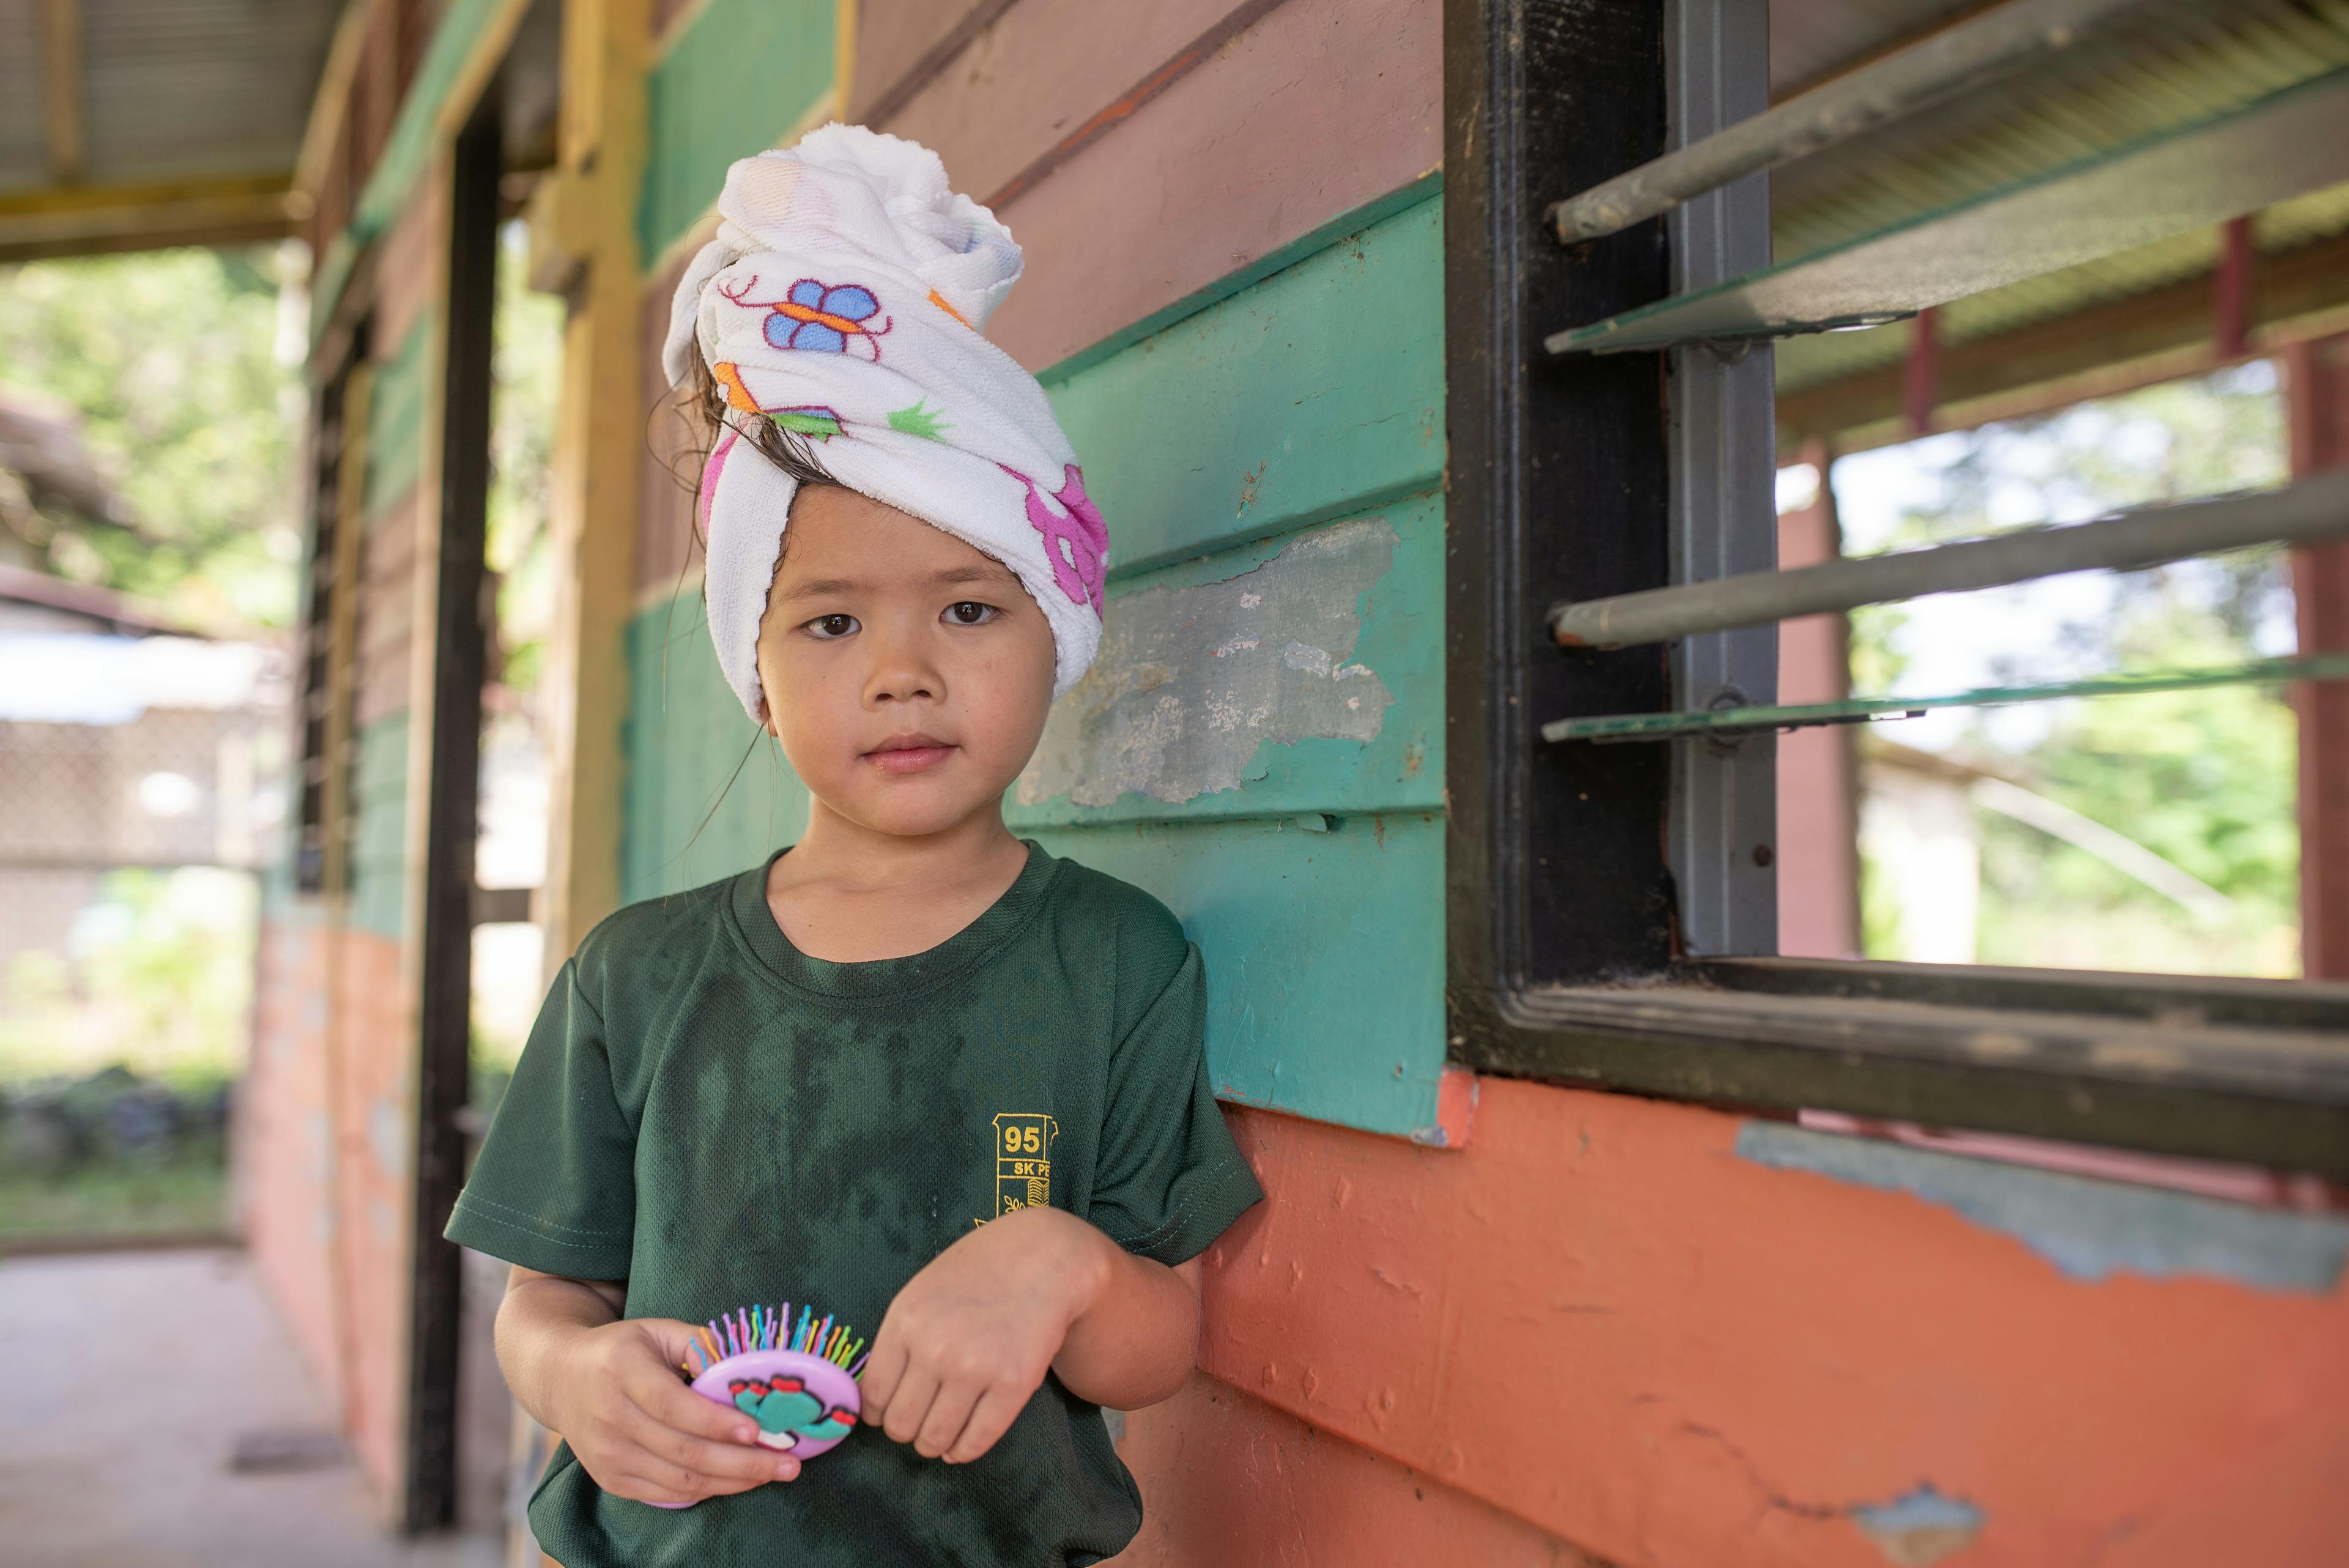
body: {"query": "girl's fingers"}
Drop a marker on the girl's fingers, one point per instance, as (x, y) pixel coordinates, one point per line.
(909, 1406)
(883, 1371)
(949, 1413)
(752, 1466)
(673, 1405)
(989, 1419)
(646, 1478)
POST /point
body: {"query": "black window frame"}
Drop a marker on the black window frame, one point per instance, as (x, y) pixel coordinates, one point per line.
(1564, 957)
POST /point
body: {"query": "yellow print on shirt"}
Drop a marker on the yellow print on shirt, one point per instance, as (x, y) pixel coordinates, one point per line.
(1023, 1161)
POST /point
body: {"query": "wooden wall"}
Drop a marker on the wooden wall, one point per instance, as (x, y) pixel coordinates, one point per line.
(1233, 297)
(1588, 1328)
(1605, 1330)
(327, 1129)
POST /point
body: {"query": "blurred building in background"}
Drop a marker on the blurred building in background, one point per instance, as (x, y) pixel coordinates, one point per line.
(125, 742)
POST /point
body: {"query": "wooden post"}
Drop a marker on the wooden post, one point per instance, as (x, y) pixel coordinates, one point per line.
(583, 234)
(1920, 377)
(448, 788)
(2230, 305)
(1818, 809)
(2316, 377)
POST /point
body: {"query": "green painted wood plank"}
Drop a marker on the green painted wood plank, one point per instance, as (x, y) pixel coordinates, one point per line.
(1324, 955)
(379, 847)
(739, 77)
(1325, 948)
(1316, 392)
(1314, 880)
(689, 747)
(396, 421)
(1170, 724)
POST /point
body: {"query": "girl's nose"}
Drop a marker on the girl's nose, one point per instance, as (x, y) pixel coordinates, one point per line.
(903, 669)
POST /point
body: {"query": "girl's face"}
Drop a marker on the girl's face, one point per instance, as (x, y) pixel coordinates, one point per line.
(907, 674)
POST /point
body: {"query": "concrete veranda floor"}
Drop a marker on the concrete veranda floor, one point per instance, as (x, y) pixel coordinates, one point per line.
(125, 1378)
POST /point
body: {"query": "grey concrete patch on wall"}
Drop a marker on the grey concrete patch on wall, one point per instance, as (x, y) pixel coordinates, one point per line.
(1921, 1527)
(2088, 1228)
(1190, 682)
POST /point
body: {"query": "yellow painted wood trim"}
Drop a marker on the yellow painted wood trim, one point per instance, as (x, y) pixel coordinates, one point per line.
(330, 109)
(599, 440)
(54, 222)
(85, 198)
(350, 501)
(843, 57)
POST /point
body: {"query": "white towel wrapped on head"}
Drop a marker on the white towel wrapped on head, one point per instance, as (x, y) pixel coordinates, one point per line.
(844, 298)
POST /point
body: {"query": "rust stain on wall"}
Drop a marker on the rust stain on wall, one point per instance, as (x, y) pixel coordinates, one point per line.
(1190, 682)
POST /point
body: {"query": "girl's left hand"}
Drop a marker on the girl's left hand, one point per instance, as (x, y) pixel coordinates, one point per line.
(968, 1342)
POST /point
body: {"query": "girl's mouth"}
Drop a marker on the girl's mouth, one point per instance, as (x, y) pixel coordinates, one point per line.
(908, 753)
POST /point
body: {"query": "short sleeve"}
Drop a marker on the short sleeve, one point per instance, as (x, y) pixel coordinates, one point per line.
(554, 1186)
(1169, 1180)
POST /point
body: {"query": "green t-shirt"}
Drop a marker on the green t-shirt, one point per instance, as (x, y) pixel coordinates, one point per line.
(720, 1119)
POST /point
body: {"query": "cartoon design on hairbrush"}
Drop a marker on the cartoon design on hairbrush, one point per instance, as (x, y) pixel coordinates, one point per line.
(823, 319)
(787, 1414)
(796, 1379)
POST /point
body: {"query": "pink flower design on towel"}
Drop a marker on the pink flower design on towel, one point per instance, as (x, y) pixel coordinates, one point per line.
(711, 470)
(1075, 539)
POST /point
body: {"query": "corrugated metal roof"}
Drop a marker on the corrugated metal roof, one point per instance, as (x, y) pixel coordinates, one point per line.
(172, 89)
(2178, 64)
(1810, 39)
(22, 143)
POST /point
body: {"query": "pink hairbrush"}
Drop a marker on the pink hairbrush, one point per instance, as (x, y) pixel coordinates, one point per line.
(798, 1382)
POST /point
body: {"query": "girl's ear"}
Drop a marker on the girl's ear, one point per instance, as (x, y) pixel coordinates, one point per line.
(767, 719)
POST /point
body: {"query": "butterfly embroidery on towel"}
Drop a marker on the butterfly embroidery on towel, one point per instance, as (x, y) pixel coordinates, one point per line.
(819, 318)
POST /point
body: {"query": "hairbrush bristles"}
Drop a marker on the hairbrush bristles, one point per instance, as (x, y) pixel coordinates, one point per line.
(747, 1330)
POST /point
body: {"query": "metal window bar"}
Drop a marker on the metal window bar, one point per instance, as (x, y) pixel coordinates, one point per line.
(1728, 724)
(1890, 88)
(1536, 962)
(1721, 463)
(2315, 508)
(2287, 144)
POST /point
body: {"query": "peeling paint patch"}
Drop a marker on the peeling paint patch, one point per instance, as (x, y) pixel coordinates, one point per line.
(1456, 1111)
(1190, 682)
(1919, 1527)
(2089, 1229)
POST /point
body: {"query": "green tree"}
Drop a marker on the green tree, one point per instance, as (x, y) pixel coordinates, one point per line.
(2204, 778)
(171, 359)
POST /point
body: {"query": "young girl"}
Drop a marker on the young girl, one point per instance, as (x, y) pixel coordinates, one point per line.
(913, 1068)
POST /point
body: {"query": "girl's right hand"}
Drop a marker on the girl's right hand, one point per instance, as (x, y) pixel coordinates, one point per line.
(640, 1432)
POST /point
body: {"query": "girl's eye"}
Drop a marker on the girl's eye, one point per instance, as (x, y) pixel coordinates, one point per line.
(825, 628)
(969, 612)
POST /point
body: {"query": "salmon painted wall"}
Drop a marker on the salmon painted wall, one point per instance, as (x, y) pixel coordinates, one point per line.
(1672, 1336)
